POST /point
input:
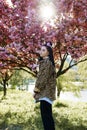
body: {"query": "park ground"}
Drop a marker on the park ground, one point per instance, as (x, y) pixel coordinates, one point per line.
(19, 112)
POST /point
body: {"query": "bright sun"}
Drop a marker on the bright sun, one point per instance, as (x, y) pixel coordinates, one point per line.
(47, 12)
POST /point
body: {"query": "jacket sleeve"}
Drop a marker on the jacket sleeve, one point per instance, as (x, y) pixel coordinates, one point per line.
(43, 76)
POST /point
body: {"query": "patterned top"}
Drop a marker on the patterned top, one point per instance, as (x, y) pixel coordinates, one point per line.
(45, 85)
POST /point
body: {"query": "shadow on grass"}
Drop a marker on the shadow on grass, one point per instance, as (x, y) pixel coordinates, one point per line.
(60, 104)
(12, 127)
(65, 124)
(32, 120)
(3, 98)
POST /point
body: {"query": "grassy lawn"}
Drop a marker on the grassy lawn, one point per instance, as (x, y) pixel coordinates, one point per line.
(19, 112)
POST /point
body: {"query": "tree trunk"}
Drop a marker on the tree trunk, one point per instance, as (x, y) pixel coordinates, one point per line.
(59, 91)
(4, 88)
(59, 87)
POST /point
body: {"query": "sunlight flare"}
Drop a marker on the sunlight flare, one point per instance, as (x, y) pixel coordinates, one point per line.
(47, 12)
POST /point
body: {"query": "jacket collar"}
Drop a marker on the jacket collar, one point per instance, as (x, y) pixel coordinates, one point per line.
(45, 59)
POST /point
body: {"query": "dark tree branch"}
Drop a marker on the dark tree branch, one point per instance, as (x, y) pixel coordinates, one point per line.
(27, 70)
(70, 66)
(70, 62)
(60, 54)
(65, 56)
(62, 64)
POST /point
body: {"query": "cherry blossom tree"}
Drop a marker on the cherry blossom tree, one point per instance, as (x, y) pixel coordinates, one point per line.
(24, 30)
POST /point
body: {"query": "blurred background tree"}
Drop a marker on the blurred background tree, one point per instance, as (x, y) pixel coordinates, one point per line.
(20, 80)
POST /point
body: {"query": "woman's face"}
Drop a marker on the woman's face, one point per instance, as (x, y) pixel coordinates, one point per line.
(44, 52)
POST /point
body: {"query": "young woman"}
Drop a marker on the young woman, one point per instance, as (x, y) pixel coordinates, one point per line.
(45, 87)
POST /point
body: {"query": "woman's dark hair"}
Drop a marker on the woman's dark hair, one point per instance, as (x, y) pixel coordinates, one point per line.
(48, 45)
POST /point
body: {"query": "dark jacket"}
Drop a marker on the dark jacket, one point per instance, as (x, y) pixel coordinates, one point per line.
(45, 85)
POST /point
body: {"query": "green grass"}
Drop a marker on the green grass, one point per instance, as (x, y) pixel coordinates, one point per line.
(19, 112)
